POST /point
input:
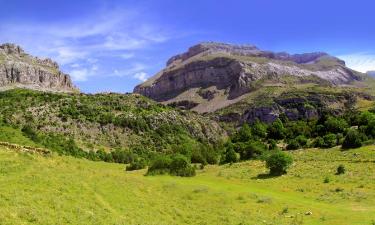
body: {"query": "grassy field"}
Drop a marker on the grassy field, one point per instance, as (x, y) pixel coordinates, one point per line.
(65, 190)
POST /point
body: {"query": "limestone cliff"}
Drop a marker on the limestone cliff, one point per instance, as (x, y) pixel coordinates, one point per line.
(19, 69)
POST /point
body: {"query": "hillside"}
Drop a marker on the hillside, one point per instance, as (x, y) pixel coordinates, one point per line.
(242, 83)
(65, 190)
(73, 122)
(19, 69)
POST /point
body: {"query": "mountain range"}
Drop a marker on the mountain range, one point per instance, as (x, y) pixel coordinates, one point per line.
(244, 83)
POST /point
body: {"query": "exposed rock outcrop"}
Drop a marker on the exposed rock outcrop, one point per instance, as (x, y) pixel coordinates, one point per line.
(18, 69)
(214, 76)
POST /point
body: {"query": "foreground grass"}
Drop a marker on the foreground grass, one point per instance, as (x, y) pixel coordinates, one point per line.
(64, 190)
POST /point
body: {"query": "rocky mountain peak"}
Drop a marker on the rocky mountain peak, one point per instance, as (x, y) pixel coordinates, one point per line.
(19, 69)
(210, 76)
(206, 48)
(10, 48)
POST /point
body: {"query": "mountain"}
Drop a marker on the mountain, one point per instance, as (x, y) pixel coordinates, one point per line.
(371, 73)
(243, 83)
(19, 69)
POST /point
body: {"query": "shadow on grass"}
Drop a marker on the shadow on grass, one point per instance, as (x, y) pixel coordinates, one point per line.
(264, 176)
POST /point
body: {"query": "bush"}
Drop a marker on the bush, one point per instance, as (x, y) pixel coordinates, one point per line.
(259, 129)
(299, 142)
(272, 145)
(335, 125)
(136, 165)
(340, 169)
(319, 142)
(276, 130)
(250, 149)
(278, 162)
(159, 166)
(330, 140)
(243, 134)
(293, 145)
(327, 141)
(353, 139)
(230, 156)
(180, 166)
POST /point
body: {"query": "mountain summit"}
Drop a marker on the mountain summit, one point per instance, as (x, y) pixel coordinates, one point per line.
(211, 76)
(19, 69)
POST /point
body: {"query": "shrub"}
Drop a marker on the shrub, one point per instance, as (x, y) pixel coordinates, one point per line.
(259, 129)
(335, 125)
(229, 155)
(278, 162)
(159, 166)
(319, 142)
(272, 145)
(276, 130)
(243, 134)
(353, 139)
(330, 140)
(136, 165)
(299, 142)
(340, 169)
(180, 166)
(250, 149)
(293, 145)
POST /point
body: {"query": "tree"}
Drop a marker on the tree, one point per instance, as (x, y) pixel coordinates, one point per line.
(243, 134)
(259, 129)
(353, 139)
(335, 125)
(278, 162)
(250, 149)
(276, 130)
(330, 140)
(230, 156)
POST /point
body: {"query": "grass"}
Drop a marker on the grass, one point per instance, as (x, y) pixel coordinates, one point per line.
(65, 190)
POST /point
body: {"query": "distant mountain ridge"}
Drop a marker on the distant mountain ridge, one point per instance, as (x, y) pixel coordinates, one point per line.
(242, 82)
(21, 70)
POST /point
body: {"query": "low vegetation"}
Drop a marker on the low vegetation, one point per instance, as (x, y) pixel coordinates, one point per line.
(66, 190)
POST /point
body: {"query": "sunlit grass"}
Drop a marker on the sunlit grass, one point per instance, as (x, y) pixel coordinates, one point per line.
(65, 190)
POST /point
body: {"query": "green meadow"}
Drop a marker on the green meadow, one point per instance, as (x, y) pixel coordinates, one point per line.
(54, 189)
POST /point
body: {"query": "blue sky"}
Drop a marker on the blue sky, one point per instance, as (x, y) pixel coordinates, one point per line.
(115, 45)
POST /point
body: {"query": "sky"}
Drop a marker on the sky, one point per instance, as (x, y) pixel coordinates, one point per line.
(115, 45)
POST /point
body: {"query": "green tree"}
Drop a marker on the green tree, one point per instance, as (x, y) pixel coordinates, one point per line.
(335, 125)
(276, 130)
(278, 162)
(259, 129)
(353, 139)
(243, 134)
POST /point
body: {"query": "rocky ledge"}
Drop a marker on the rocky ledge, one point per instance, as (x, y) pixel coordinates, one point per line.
(19, 69)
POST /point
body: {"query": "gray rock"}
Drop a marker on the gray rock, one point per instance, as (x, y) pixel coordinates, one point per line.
(20, 70)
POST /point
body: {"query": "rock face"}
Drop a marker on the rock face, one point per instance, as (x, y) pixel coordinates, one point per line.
(212, 76)
(238, 68)
(18, 69)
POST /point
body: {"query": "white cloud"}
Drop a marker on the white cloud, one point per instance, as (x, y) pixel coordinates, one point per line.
(142, 76)
(362, 62)
(79, 74)
(78, 44)
(127, 55)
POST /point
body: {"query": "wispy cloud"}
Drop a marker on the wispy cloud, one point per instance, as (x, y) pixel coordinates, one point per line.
(362, 62)
(82, 45)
